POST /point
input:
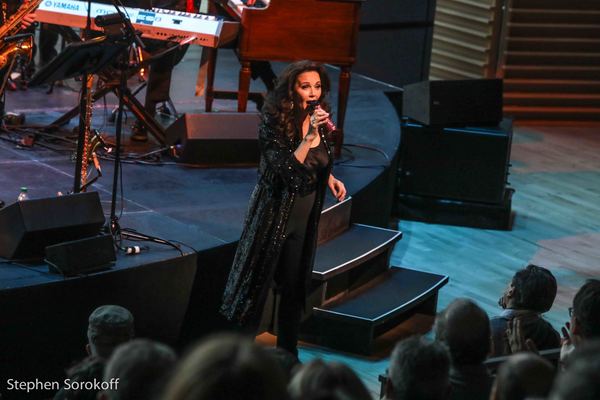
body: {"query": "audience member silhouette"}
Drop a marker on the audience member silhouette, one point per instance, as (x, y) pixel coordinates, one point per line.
(286, 360)
(524, 375)
(108, 327)
(530, 293)
(465, 329)
(227, 367)
(419, 370)
(319, 379)
(585, 318)
(581, 379)
(140, 367)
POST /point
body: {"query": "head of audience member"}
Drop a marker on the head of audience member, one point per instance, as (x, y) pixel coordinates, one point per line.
(465, 328)
(286, 360)
(532, 288)
(224, 367)
(585, 316)
(419, 370)
(523, 375)
(108, 327)
(139, 369)
(319, 379)
(581, 379)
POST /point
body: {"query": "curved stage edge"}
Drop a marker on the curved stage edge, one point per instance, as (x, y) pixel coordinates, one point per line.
(173, 297)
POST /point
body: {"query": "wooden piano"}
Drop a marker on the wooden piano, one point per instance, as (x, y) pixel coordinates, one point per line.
(325, 31)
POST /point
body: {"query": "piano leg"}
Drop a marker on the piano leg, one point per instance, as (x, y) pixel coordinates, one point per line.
(211, 66)
(344, 90)
(244, 86)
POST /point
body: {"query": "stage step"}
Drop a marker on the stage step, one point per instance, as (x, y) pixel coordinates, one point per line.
(335, 219)
(353, 322)
(352, 248)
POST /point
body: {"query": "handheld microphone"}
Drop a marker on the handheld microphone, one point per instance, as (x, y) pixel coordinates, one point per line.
(314, 105)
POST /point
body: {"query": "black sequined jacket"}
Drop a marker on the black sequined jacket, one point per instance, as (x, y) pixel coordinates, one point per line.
(280, 178)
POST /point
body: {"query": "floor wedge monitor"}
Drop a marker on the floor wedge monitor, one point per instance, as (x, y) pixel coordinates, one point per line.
(27, 227)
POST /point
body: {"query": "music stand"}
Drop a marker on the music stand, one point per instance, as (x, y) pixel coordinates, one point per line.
(79, 58)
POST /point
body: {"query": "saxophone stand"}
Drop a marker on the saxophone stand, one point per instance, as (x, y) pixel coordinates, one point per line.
(80, 59)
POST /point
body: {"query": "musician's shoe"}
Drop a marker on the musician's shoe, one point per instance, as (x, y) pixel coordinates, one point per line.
(14, 119)
(138, 133)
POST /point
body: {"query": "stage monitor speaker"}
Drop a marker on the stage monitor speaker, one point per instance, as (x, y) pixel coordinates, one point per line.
(219, 139)
(27, 227)
(81, 256)
(455, 164)
(473, 102)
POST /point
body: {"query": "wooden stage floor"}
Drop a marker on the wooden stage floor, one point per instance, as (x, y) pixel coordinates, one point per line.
(556, 174)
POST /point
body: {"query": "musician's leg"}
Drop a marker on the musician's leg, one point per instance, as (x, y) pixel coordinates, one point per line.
(48, 40)
(263, 70)
(157, 89)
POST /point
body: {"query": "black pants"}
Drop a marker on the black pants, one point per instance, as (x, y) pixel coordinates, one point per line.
(159, 77)
(289, 275)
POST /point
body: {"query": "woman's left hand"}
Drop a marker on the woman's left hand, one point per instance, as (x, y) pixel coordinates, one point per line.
(337, 188)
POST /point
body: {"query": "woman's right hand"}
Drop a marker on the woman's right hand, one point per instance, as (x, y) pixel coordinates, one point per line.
(318, 118)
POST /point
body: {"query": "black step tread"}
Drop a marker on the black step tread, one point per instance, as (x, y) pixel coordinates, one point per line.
(353, 247)
(393, 293)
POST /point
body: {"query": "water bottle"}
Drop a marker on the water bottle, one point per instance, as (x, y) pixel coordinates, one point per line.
(23, 194)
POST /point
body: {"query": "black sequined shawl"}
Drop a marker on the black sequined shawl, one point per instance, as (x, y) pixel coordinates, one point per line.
(280, 178)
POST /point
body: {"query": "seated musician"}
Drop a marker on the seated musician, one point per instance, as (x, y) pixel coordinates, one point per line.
(9, 8)
(160, 71)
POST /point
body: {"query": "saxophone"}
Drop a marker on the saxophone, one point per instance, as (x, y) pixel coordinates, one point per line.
(87, 118)
(12, 27)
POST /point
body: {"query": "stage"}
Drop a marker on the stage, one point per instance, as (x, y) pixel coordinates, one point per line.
(555, 171)
(172, 296)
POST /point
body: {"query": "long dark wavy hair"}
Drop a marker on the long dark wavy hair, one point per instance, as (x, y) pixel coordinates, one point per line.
(282, 107)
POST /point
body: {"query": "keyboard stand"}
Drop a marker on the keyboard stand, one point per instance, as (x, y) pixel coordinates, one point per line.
(129, 101)
(111, 84)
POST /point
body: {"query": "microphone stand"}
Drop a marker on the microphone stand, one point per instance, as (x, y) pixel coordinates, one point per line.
(114, 227)
(129, 32)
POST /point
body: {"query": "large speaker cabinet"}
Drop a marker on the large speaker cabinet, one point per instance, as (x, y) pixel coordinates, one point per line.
(470, 102)
(464, 164)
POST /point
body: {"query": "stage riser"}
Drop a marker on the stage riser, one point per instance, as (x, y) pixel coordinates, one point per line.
(44, 326)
